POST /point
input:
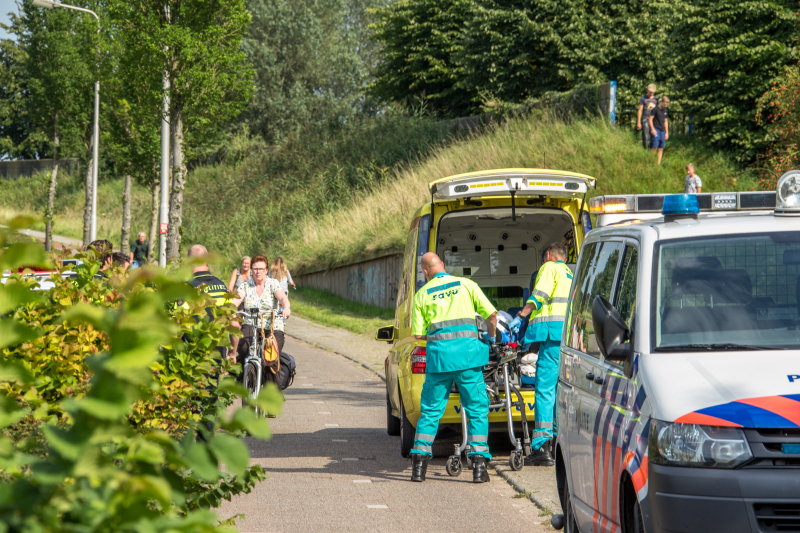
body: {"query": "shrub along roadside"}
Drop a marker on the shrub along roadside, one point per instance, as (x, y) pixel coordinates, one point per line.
(92, 469)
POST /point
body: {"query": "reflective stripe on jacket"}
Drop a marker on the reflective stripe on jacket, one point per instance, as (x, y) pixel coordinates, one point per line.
(550, 296)
(444, 311)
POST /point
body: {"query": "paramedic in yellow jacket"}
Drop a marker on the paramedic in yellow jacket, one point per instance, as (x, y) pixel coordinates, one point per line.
(444, 315)
(547, 308)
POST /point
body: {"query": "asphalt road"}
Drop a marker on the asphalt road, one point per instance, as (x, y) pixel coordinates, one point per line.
(332, 467)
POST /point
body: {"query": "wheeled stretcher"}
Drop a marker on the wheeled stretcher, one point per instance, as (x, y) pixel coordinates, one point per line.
(504, 366)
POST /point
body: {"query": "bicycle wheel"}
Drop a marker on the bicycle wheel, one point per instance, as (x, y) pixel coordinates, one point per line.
(250, 382)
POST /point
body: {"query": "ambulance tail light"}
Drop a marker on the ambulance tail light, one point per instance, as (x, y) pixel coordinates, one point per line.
(419, 360)
(677, 444)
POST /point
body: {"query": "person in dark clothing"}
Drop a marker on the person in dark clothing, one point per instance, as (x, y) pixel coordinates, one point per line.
(140, 249)
(659, 127)
(108, 259)
(646, 105)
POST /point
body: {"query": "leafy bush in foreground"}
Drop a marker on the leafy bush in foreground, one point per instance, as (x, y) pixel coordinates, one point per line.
(91, 469)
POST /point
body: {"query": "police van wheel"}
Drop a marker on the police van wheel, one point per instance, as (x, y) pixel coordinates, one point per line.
(392, 422)
(407, 432)
(638, 523)
(570, 523)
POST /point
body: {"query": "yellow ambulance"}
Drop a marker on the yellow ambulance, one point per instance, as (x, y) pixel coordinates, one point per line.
(492, 227)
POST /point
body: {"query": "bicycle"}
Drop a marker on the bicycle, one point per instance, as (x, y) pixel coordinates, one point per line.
(253, 366)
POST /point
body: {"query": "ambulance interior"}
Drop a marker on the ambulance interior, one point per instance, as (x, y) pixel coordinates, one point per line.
(502, 254)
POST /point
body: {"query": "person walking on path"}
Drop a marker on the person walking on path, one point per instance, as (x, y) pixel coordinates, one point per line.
(547, 308)
(659, 127)
(692, 183)
(240, 275)
(646, 105)
(280, 273)
(444, 315)
(140, 249)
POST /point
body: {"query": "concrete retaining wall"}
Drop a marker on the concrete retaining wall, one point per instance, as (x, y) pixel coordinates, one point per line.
(372, 282)
(13, 170)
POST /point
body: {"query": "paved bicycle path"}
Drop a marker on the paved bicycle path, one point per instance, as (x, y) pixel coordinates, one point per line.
(332, 467)
(538, 482)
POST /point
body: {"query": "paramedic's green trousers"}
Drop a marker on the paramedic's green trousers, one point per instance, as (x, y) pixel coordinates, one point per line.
(546, 381)
(474, 401)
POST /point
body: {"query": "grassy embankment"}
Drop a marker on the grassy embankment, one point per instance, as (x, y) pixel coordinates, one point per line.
(378, 220)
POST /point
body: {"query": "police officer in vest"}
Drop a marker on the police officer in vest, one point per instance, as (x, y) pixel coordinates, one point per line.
(444, 315)
(547, 308)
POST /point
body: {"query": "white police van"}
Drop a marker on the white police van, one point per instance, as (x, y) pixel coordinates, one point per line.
(678, 406)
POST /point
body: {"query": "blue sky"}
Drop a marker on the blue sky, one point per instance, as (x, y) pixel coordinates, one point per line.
(5, 7)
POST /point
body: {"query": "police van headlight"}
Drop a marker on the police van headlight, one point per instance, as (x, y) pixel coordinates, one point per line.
(675, 444)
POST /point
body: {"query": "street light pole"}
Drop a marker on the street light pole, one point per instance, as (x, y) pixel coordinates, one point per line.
(165, 181)
(50, 4)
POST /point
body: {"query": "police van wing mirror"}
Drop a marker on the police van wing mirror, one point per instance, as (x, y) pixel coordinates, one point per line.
(386, 333)
(610, 331)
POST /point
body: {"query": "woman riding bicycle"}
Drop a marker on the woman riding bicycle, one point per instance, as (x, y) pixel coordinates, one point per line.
(261, 294)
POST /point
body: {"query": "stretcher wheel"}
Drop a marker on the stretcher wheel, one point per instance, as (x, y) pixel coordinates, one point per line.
(516, 460)
(453, 466)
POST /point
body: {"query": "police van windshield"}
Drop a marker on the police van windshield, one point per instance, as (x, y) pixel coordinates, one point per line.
(727, 292)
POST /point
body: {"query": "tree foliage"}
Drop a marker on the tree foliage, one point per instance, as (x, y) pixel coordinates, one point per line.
(311, 60)
(97, 468)
(729, 53)
(779, 113)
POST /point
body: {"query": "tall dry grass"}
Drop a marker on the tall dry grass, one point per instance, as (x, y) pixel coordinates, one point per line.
(377, 221)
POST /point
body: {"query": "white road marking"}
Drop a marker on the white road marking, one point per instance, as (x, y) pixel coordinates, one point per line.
(324, 413)
(331, 425)
(349, 459)
(317, 402)
(362, 481)
(339, 440)
(377, 506)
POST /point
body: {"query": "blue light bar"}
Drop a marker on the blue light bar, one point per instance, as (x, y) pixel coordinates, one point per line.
(680, 204)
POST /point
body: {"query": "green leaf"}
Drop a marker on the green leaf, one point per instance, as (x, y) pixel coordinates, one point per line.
(14, 372)
(197, 458)
(24, 254)
(90, 314)
(246, 419)
(270, 399)
(13, 332)
(230, 451)
(13, 295)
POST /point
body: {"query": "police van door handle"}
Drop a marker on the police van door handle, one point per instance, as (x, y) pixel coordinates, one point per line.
(598, 379)
(590, 376)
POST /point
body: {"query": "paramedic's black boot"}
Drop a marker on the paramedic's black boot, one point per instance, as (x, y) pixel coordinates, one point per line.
(419, 467)
(542, 456)
(479, 473)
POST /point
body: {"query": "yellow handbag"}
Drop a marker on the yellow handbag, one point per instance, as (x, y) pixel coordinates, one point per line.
(271, 352)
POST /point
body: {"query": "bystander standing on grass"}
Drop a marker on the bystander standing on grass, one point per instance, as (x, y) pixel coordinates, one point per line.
(646, 105)
(692, 183)
(659, 127)
(140, 249)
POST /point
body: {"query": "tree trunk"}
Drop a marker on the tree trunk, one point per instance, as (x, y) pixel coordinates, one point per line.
(176, 196)
(87, 207)
(126, 216)
(152, 256)
(51, 197)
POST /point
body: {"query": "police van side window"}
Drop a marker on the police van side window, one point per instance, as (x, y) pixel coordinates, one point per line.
(626, 291)
(595, 278)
